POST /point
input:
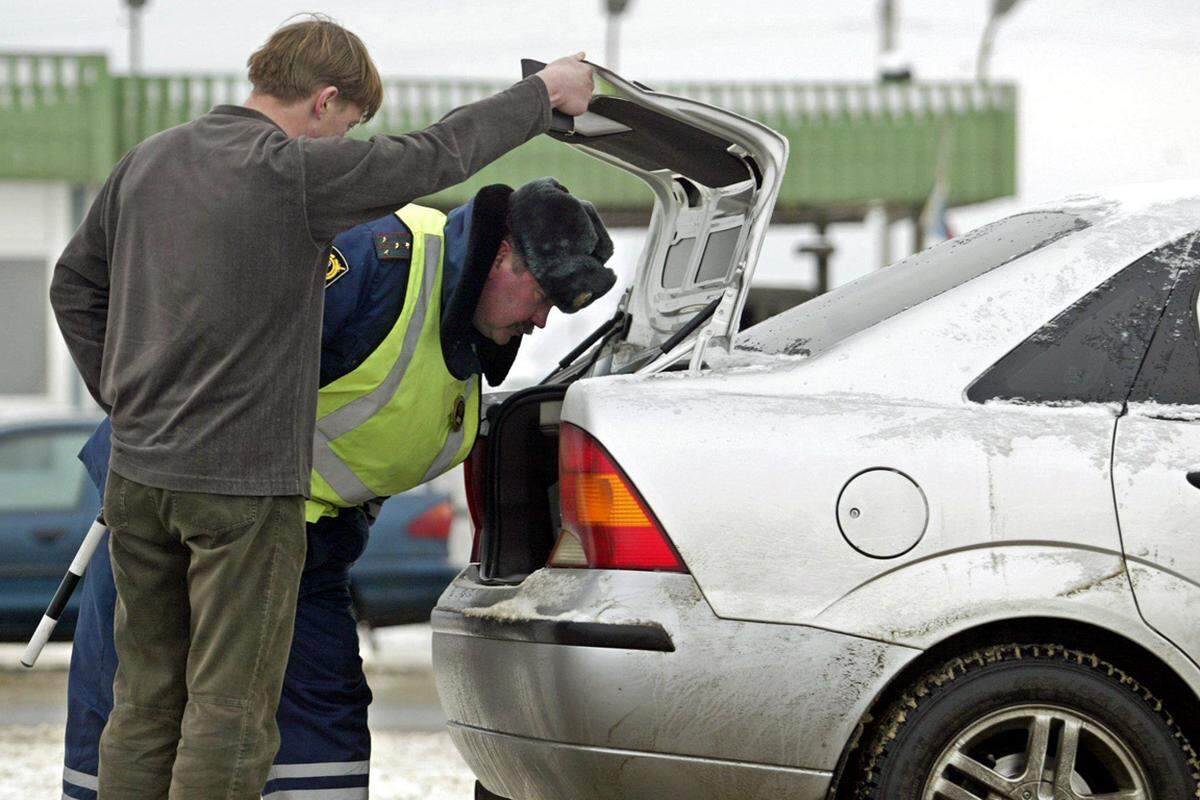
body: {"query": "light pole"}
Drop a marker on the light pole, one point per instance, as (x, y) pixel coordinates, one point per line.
(135, 35)
(613, 9)
(999, 9)
(893, 65)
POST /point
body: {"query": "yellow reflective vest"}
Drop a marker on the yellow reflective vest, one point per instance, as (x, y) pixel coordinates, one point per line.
(400, 418)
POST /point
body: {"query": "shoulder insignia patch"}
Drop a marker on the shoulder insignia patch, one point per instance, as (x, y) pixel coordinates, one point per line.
(338, 266)
(393, 246)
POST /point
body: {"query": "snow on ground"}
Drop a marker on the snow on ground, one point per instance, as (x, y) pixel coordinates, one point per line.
(404, 766)
(418, 766)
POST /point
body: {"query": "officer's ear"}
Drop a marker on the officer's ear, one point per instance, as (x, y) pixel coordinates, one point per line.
(505, 250)
(322, 99)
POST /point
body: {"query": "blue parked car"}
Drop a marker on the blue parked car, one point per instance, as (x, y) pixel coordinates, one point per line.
(47, 504)
(405, 567)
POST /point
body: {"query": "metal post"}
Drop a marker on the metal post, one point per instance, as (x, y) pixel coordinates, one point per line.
(887, 26)
(998, 10)
(135, 35)
(918, 230)
(885, 239)
(881, 216)
(614, 9)
(892, 66)
(820, 249)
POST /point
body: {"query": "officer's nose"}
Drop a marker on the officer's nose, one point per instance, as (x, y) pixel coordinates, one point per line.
(539, 317)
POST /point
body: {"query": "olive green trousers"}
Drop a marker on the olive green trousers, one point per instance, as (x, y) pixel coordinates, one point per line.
(206, 600)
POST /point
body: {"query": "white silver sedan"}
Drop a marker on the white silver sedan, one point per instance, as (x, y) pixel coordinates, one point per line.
(931, 536)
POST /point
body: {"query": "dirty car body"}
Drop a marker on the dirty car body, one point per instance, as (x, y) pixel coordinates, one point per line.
(985, 449)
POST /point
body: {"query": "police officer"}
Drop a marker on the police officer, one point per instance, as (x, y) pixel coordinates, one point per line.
(418, 306)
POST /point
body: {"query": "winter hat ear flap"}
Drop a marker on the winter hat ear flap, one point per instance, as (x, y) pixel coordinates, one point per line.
(562, 241)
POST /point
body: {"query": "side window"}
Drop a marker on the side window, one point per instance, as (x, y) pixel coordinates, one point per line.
(1092, 351)
(39, 471)
(1170, 374)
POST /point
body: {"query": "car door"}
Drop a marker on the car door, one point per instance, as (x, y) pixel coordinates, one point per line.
(1156, 467)
(46, 506)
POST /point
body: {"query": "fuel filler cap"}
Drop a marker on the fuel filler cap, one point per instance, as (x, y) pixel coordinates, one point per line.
(882, 513)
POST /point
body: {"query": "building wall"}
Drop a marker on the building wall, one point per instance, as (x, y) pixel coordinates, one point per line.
(35, 224)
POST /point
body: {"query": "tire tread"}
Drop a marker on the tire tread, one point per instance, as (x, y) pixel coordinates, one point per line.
(879, 746)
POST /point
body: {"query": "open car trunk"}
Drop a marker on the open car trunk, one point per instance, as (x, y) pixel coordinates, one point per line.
(520, 516)
(714, 177)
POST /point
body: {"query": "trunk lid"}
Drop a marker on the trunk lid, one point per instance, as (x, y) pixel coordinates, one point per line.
(715, 177)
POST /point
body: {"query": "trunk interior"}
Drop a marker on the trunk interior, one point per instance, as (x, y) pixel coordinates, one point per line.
(521, 520)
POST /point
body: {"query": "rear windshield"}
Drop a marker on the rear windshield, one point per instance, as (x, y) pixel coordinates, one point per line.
(856, 306)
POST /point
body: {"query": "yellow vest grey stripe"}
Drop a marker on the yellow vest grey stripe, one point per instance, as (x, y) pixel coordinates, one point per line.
(361, 409)
(401, 415)
(336, 473)
(322, 770)
(453, 442)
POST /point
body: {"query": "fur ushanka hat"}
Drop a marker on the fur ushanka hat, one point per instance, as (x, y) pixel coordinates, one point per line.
(562, 241)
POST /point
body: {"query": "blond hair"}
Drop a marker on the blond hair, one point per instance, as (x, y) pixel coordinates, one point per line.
(301, 57)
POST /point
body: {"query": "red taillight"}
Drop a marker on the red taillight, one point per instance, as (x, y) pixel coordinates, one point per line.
(606, 523)
(475, 475)
(434, 523)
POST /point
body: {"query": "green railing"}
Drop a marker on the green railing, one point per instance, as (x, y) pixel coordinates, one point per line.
(852, 144)
(56, 118)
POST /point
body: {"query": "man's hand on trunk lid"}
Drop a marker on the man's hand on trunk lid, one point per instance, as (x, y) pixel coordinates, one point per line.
(569, 82)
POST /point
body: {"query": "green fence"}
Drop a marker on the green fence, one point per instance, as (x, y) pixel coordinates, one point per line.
(852, 144)
(56, 118)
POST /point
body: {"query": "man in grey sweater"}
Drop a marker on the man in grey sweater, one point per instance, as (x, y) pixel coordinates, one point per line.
(190, 299)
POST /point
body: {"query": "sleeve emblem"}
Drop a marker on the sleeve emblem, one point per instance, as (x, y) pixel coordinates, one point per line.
(338, 266)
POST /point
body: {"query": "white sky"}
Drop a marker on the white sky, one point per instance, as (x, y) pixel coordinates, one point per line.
(1109, 89)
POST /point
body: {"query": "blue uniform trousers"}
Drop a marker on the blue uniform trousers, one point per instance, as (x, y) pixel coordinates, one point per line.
(325, 745)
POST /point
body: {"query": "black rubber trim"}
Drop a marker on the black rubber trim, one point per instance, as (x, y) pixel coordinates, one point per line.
(647, 636)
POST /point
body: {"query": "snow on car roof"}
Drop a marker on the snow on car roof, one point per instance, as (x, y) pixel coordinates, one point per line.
(1126, 199)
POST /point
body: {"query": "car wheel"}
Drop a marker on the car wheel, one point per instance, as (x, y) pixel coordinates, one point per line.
(1028, 722)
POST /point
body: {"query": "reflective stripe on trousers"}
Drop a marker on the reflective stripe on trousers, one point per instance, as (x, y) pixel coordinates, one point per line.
(76, 780)
(297, 776)
(89, 783)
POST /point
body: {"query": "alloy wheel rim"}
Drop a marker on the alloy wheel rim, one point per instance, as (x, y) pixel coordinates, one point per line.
(1037, 752)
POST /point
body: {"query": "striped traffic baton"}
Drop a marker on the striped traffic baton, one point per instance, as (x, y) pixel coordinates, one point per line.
(65, 589)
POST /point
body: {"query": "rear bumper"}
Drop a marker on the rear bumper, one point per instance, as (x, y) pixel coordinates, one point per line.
(648, 636)
(544, 769)
(546, 699)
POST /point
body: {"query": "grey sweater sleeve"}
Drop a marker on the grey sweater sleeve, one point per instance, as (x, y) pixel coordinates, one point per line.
(348, 182)
(79, 291)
